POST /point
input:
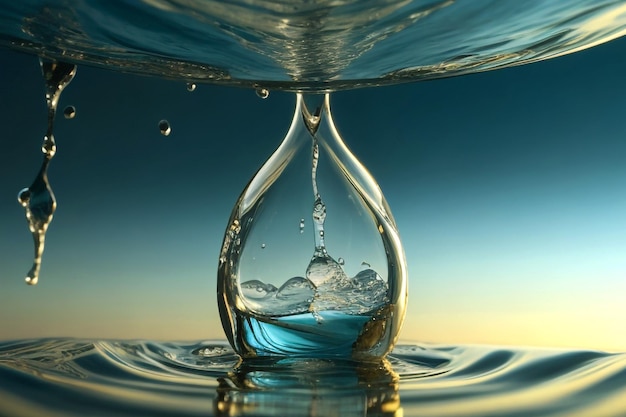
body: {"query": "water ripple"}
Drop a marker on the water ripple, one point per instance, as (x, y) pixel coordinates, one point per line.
(67, 377)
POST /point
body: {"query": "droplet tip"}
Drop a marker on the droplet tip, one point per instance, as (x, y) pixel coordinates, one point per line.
(31, 280)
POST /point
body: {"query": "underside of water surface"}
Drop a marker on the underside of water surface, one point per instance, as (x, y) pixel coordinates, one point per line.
(303, 46)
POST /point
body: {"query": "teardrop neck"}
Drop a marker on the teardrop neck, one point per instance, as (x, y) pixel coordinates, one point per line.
(312, 108)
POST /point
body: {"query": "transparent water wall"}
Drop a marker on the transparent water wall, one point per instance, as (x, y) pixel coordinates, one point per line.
(311, 263)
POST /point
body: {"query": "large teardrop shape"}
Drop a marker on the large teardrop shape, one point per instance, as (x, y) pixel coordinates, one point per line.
(311, 263)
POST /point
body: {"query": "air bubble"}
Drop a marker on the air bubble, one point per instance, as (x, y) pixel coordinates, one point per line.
(262, 245)
(301, 225)
(69, 112)
(191, 86)
(341, 261)
(165, 128)
(263, 93)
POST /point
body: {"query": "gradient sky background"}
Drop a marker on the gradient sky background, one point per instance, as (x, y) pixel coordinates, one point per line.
(508, 188)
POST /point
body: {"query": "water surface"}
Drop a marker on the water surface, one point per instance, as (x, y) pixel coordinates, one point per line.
(72, 377)
(298, 45)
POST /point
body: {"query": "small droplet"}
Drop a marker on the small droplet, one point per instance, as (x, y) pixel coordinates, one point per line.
(301, 225)
(69, 112)
(262, 245)
(341, 261)
(191, 86)
(165, 128)
(263, 93)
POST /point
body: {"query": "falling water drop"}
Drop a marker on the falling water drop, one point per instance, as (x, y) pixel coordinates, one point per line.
(191, 87)
(69, 112)
(263, 93)
(38, 199)
(165, 128)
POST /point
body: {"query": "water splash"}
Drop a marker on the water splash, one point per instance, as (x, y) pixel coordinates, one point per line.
(38, 199)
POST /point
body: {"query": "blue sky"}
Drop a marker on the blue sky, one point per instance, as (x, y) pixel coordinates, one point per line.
(507, 187)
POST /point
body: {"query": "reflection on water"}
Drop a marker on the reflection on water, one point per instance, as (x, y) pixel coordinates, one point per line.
(115, 378)
(303, 387)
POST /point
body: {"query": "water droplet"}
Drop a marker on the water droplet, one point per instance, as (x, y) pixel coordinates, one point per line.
(165, 128)
(31, 280)
(191, 86)
(322, 307)
(262, 245)
(69, 112)
(263, 93)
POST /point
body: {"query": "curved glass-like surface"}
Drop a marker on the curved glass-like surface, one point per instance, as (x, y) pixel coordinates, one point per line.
(312, 264)
(300, 45)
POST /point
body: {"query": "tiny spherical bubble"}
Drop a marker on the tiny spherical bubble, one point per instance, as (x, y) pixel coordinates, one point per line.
(165, 128)
(263, 93)
(69, 112)
(340, 261)
(191, 86)
(262, 245)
